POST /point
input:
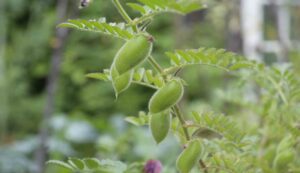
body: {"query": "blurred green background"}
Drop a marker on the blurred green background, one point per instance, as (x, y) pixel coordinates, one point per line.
(86, 120)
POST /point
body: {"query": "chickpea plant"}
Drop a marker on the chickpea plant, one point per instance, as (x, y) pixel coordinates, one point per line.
(211, 141)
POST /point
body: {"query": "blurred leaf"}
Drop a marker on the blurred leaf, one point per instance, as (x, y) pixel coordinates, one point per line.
(206, 133)
(141, 120)
(60, 164)
(113, 29)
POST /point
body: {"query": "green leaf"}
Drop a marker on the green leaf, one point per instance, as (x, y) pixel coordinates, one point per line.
(222, 125)
(60, 164)
(118, 30)
(110, 166)
(76, 163)
(137, 7)
(141, 120)
(218, 58)
(283, 159)
(91, 163)
(99, 76)
(135, 168)
(148, 9)
(206, 133)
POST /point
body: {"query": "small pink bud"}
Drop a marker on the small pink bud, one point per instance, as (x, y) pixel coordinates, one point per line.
(153, 166)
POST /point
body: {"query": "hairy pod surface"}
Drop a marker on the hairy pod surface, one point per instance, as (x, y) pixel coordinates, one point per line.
(166, 96)
(160, 124)
(120, 82)
(132, 53)
(189, 156)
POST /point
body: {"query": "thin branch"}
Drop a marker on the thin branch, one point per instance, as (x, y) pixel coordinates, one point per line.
(155, 65)
(203, 165)
(182, 121)
(124, 14)
(278, 88)
(144, 84)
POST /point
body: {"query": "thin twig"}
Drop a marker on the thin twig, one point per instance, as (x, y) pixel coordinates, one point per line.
(124, 14)
(203, 165)
(182, 121)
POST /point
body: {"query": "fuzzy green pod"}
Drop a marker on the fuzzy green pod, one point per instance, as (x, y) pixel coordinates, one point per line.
(282, 160)
(189, 156)
(132, 53)
(160, 124)
(120, 82)
(166, 96)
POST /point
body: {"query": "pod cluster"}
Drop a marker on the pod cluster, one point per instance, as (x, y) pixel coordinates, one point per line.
(134, 52)
(159, 108)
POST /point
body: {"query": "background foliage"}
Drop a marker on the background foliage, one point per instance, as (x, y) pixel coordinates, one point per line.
(89, 122)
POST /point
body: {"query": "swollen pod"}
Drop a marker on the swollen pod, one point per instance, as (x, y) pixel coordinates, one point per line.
(160, 124)
(120, 82)
(166, 97)
(189, 156)
(132, 53)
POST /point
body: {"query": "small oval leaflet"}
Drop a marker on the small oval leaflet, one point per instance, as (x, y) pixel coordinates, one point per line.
(206, 133)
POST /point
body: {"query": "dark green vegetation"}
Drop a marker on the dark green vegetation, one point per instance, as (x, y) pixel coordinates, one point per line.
(88, 121)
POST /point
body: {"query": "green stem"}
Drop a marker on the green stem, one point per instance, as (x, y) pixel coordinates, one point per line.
(277, 86)
(155, 65)
(124, 14)
(176, 110)
(144, 84)
(182, 121)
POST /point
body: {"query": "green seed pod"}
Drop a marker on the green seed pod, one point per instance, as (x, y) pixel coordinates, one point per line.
(282, 160)
(133, 52)
(166, 96)
(120, 82)
(160, 124)
(189, 157)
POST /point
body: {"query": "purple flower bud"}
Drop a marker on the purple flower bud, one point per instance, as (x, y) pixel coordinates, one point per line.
(153, 166)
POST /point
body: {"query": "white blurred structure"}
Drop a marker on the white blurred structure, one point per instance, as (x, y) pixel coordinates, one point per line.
(252, 21)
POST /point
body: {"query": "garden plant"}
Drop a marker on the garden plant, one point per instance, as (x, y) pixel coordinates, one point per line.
(266, 140)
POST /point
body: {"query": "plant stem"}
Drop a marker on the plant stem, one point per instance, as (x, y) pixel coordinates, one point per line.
(278, 88)
(124, 14)
(182, 121)
(176, 110)
(155, 65)
(144, 84)
(202, 164)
